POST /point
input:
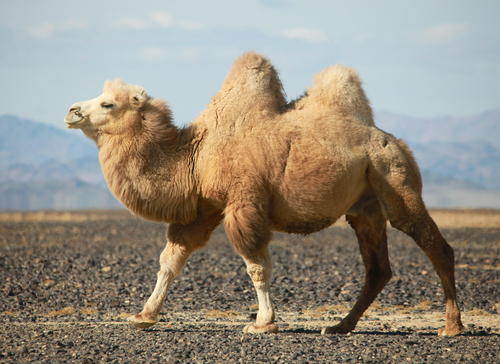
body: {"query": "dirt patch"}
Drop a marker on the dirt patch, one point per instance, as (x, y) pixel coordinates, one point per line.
(458, 218)
(67, 216)
(453, 218)
(66, 311)
(466, 218)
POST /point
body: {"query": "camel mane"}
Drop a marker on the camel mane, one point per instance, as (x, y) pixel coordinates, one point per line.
(122, 89)
(157, 119)
(157, 122)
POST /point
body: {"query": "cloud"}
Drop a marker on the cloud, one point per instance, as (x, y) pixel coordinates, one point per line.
(73, 24)
(47, 29)
(132, 23)
(444, 32)
(306, 34)
(162, 19)
(42, 31)
(156, 19)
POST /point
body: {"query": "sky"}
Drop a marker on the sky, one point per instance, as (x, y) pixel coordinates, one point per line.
(422, 58)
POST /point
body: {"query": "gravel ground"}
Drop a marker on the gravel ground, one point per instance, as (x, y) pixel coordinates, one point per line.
(66, 288)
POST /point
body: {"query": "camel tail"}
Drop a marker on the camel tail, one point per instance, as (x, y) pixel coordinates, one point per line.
(395, 177)
(413, 168)
(339, 88)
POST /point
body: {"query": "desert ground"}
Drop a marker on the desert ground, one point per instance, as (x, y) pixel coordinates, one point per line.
(69, 280)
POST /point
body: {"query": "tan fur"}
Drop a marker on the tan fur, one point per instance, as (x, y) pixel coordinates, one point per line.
(264, 165)
(339, 88)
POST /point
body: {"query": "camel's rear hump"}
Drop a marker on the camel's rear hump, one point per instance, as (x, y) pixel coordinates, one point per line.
(339, 88)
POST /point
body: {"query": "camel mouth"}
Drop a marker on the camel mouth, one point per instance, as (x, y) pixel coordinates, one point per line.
(73, 120)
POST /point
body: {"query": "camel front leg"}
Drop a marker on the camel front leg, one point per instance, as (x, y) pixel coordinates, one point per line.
(172, 260)
(248, 229)
(182, 241)
(259, 268)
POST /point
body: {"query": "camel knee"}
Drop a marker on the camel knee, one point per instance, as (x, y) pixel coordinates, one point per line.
(443, 259)
(386, 276)
(419, 230)
(259, 274)
(173, 258)
(381, 270)
(259, 267)
(448, 251)
(378, 277)
(428, 237)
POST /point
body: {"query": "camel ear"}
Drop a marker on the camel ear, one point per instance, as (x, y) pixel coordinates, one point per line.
(137, 100)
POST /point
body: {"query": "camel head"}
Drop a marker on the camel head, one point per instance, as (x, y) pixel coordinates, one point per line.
(119, 109)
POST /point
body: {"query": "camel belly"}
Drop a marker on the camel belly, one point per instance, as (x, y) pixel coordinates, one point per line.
(318, 187)
(302, 227)
(303, 215)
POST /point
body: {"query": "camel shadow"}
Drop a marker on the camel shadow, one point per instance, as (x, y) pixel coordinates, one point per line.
(302, 331)
(402, 333)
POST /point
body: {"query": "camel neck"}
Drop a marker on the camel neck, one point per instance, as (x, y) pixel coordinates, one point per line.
(151, 180)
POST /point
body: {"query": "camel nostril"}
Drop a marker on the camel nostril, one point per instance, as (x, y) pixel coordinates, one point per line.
(75, 109)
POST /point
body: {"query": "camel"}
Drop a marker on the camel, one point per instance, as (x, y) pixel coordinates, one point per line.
(262, 164)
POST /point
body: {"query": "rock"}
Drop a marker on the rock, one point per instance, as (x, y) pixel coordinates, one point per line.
(71, 266)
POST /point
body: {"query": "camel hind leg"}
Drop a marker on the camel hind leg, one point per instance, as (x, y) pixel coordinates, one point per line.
(428, 237)
(396, 180)
(370, 227)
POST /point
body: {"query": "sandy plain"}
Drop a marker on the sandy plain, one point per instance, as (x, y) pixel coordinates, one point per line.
(70, 279)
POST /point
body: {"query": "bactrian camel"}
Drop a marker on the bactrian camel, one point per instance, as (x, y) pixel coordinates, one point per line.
(261, 164)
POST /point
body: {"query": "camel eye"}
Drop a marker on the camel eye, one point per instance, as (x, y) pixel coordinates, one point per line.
(107, 106)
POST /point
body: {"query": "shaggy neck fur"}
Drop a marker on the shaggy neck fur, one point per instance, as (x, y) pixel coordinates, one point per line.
(149, 168)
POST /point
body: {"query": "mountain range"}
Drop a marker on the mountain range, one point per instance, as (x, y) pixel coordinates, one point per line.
(466, 149)
(44, 167)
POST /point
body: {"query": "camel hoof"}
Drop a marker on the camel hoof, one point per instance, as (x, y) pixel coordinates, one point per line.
(254, 329)
(140, 321)
(337, 329)
(453, 331)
